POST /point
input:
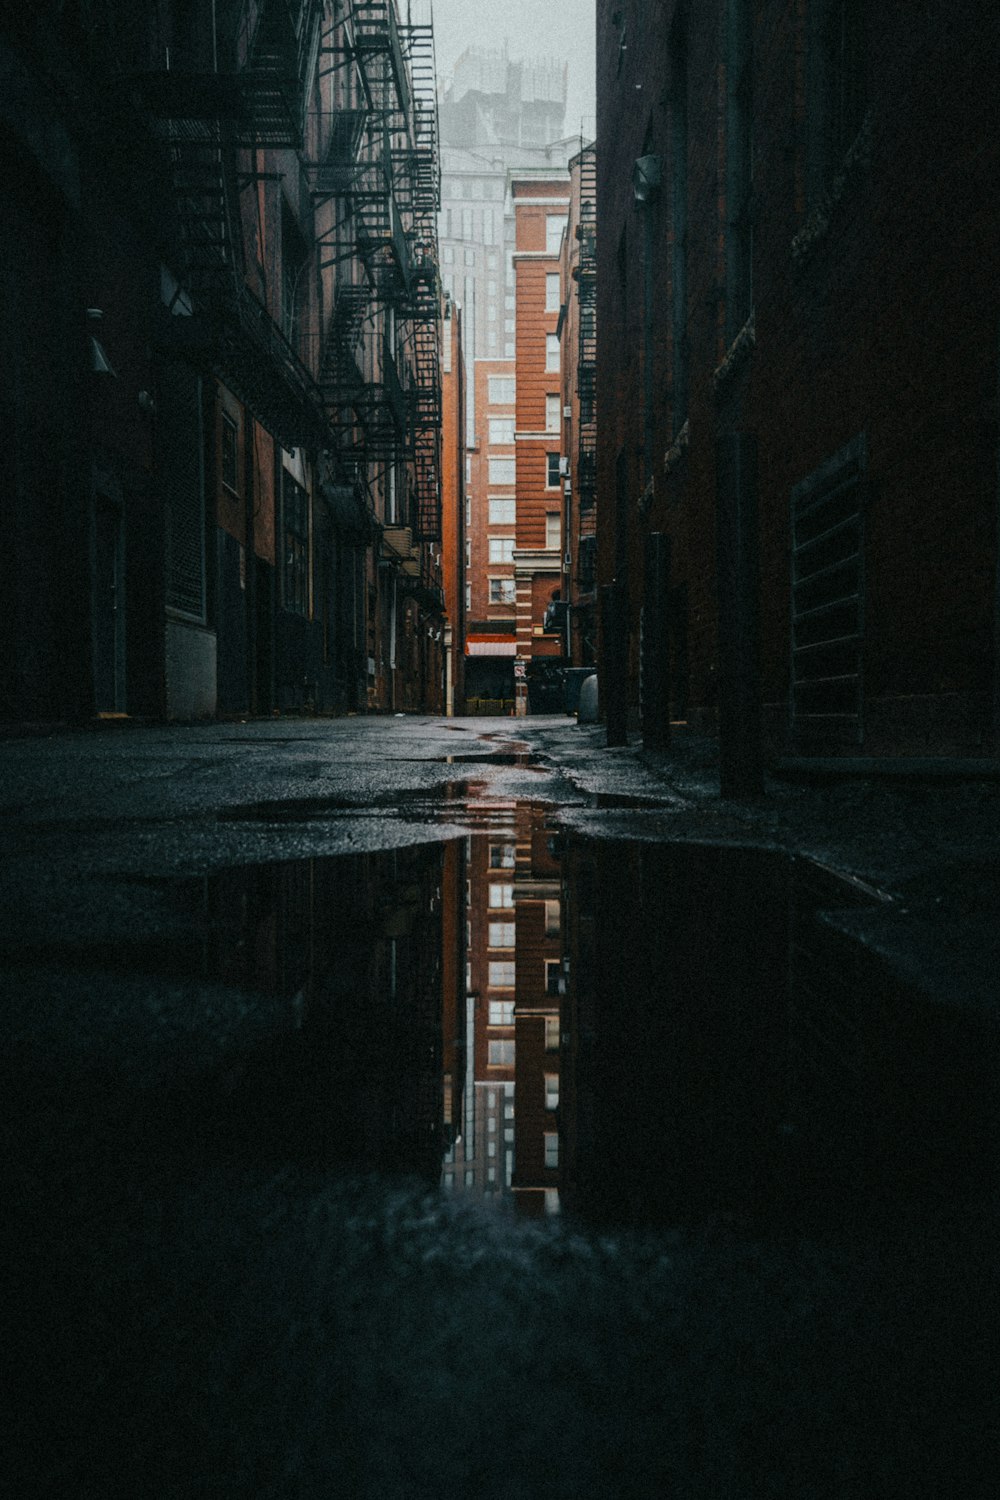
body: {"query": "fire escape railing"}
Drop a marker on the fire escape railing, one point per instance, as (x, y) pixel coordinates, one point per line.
(586, 370)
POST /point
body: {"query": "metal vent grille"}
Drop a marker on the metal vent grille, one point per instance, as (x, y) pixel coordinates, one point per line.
(828, 600)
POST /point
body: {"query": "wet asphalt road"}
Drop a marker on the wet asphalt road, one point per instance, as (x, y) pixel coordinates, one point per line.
(201, 1313)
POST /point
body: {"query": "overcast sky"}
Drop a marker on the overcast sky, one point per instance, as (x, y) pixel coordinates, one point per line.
(563, 29)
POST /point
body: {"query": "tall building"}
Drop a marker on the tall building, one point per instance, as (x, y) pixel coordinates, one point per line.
(541, 205)
(798, 374)
(221, 363)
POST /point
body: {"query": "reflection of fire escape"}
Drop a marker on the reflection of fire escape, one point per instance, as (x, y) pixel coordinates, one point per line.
(204, 119)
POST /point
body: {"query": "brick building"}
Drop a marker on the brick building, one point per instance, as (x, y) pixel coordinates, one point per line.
(489, 557)
(541, 204)
(221, 360)
(798, 374)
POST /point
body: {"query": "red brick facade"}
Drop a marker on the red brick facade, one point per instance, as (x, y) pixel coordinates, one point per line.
(798, 343)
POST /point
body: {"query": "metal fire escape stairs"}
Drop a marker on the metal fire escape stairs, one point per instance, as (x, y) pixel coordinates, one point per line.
(586, 369)
(383, 163)
(204, 119)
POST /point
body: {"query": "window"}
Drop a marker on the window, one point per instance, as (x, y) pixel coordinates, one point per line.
(501, 973)
(449, 255)
(552, 353)
(502, 512)
(502, 390)
(554, 226)
(552, 410)
(502, 856)
(553, 295)
(552, 1091)
(508, 349)
(500, 1054)
(553, 530)
(491, 288)
(468, 596)
(470, 257)
(552, 1033)
(501, 897)
(491, 312)
(230, 453)
(501, 431)
(502, 471)
(501, 1012)
(551, 1149)
(467, 233)
(491, 1146)
(553, 977)
(489, 226)
(295, 590)
(552, 471)
(501, 935)
(502, 591)
(552, 918)
(508, 325)
(501, 549)
(491, 1126)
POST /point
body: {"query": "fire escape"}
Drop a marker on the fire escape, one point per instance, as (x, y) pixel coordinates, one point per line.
(586, 370)
(382, 165)
(205, 119)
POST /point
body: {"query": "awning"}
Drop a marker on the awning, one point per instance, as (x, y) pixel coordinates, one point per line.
(490, 645)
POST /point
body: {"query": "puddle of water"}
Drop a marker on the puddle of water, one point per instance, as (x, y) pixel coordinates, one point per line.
(638, 1033)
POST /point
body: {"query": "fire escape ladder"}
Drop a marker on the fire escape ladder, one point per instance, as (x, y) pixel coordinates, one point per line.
(586, 371)
(208, 252)
(279, 59)
(378, 47)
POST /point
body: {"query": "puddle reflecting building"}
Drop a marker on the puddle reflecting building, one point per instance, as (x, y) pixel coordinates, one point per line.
(506, 1144)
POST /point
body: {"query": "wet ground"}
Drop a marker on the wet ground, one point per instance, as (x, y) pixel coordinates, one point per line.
(409, 1108)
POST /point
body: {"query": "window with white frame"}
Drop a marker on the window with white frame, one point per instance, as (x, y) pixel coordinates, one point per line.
(501, 1012)
(553, 409)
(554, 226)
(501, 1054)
(501, 431)
(501, 935)
(502, 549)
(552, 471)
(502, 856)
(501, 973)
(503, 512)
(502, 390)
(502, 471)
(552, 1091)
(502, 591)
(501, 897)
(552, 291)
(551, 1147)
(552, 353)
(553, 530)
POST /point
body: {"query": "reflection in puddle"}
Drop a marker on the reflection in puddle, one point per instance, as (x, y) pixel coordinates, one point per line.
(634, 1033)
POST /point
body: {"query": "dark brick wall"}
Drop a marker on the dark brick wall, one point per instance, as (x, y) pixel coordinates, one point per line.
(885, 324)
